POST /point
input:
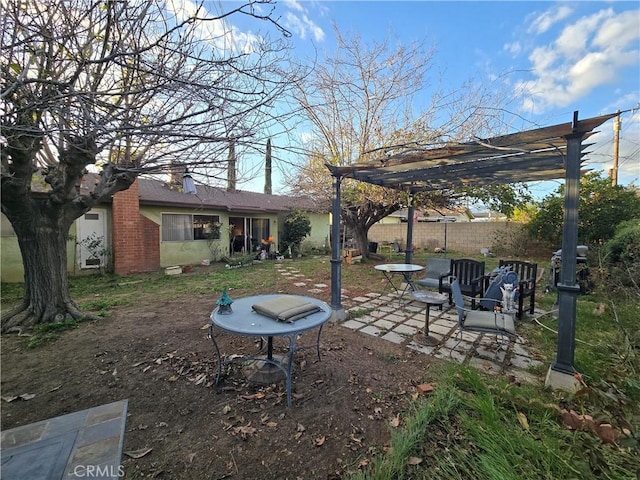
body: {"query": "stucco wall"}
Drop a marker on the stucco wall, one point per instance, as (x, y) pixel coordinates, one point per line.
(188, 252)
(180, 253)
(320, 228)
(170, 253)
(11, 269)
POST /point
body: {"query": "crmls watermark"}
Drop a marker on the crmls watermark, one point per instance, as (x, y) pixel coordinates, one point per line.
(98, 471)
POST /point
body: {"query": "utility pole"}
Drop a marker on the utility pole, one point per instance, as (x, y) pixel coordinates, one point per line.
(616, 149)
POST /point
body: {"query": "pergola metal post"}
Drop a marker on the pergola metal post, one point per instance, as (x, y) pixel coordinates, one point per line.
(336, 257)
(568, 289)
(445, 234)
(540, 154)
(408, 251)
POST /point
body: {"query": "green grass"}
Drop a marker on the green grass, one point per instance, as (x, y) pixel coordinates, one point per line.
(472, 426)
(48, 332)
(477, 427)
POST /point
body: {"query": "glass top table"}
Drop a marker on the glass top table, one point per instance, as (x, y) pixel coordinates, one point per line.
(245, 322)
(390, 270)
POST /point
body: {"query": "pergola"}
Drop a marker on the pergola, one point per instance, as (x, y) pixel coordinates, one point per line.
(546, 153)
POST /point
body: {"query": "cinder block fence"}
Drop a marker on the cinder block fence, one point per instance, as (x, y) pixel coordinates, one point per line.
(463, 237)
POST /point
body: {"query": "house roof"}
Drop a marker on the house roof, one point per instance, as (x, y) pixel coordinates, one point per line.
(520, 157)
(154, 192)
(433, 214)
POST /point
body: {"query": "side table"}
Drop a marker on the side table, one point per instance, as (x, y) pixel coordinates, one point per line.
(429, 299)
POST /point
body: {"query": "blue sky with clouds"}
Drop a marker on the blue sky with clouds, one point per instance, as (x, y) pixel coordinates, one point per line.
(559, 56)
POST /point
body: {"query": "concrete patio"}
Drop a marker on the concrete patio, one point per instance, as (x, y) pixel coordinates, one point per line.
(401, 321)
(85, 444)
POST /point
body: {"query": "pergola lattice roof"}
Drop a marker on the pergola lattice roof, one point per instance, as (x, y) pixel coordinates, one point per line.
(526, 156)
(542, 154)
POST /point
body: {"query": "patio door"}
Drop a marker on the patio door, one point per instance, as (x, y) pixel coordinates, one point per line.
(247, 233)
(259, 230)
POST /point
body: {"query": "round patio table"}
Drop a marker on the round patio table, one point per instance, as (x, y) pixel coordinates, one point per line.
(404, 269)
(245, 322)
(429, 299)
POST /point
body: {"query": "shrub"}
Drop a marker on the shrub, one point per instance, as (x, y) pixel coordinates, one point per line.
(621, 258)
(296, 228)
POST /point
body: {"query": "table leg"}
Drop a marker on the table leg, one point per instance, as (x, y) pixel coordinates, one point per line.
(409, 282)
(270, 348)
(318, 341)
(292, 348)
(218, 356)
(428, 340)
(389, 282)
(426, 322)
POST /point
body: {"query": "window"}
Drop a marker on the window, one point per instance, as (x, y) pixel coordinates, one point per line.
(181, 227)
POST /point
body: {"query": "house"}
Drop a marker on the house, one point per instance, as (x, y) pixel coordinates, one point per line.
(489, 216)
(153, 225)
(454, 214)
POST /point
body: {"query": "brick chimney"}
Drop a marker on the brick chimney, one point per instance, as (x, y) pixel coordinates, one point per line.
(176, 174)
(135, 238)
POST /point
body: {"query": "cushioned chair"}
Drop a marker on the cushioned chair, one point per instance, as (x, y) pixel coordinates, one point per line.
(437, 269)
(470, 276)
(397, 249)
(527, 274)
(496, 323)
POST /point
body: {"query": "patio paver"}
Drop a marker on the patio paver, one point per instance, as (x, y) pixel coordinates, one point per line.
(87, 443)
(398, 320)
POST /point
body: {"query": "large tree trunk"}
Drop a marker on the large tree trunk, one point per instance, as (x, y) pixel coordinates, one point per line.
(361, 236)
(359, 219)
(43, 244)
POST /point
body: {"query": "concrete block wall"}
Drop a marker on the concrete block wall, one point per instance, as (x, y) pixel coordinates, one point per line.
(463, 237)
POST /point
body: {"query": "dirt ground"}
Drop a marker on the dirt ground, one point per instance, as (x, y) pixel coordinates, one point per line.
(157, 355)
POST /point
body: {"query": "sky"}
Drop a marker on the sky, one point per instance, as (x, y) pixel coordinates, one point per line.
(561, 56)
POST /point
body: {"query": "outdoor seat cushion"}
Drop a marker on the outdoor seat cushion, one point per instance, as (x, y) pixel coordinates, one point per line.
(489, 322)
(285, 308)
(435, 268)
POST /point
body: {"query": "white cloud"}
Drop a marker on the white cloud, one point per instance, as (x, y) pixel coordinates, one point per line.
(574, 39)
(182, 9)
(303, 26)
(623, 102)
(586, 54)
(514, 48)
(543, 59)
(589, 72)
(546, 20)
(294, 5)
(619, 30)
(220, 34)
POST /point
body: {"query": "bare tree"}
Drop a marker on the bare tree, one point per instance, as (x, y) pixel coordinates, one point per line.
(122, 88)
(360, 105)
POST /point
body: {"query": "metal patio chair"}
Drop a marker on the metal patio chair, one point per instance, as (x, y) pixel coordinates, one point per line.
(527, 276)
(470, 276)
(495, 323)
